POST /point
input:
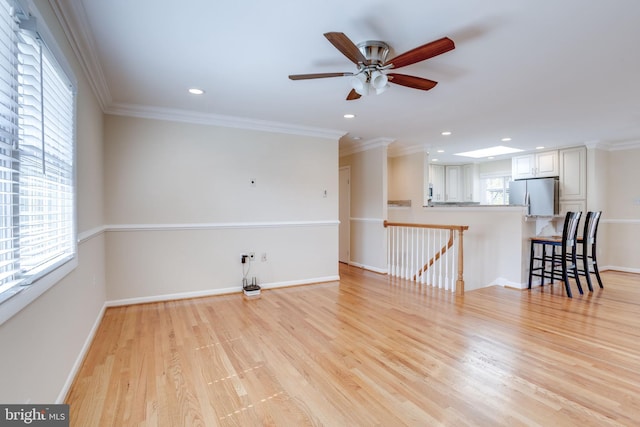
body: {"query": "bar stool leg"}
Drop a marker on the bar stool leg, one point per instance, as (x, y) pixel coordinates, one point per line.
(574, 262)
(531, 262)
(595, 265)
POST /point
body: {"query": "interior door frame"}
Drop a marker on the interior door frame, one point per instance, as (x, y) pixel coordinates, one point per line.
(344, 214)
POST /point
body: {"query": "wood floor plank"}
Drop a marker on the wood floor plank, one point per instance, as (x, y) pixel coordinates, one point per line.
(369, 350)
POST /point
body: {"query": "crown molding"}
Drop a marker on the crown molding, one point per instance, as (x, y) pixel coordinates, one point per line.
(193, 117)
(623, 145)
(74, 23)
(369, 144)
(406, 151)
(612, 145)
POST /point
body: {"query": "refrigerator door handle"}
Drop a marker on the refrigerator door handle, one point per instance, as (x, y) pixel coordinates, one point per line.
(527, 198)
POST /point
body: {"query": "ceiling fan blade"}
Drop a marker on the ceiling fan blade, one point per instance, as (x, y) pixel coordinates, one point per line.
(317, 76)
(353, 95)
(423, 52)
(347, 47)
(411, 81)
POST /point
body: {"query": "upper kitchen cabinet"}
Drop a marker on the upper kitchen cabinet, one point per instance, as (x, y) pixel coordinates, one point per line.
(470, 183)
(535, 165)
(573, 173)
(453, 182)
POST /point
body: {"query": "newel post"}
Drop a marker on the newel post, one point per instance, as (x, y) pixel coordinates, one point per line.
(460, 281)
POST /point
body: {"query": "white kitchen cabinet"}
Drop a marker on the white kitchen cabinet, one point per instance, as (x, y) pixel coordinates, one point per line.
(573, 173)
(453, 183)
(436, 178)
(535, 165)
(572, 206)
(469, 191)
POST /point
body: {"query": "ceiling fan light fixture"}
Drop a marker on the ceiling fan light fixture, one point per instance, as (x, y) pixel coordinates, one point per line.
(382, 89)
(378, 80)
(360, 84)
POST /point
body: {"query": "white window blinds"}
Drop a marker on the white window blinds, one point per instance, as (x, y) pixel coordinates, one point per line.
(9, 265)
(37, 228)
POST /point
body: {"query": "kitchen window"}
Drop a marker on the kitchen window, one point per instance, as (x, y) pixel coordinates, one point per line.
(37, 183)
(494, 189)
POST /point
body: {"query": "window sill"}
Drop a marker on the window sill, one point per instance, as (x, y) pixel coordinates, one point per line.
(15, 303)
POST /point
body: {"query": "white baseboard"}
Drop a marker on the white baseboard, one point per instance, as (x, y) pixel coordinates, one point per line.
(170, 297)
(83, 352)
(501, 281)
(370, 268)
(623, 269)
(275, 285)
(213, 292)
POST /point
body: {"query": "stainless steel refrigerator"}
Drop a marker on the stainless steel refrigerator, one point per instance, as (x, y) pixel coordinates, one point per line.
(540, 195)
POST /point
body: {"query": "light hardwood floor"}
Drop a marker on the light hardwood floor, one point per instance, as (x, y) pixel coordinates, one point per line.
(367, 351)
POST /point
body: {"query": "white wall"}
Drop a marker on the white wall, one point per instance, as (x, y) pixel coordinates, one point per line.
(42, 343)
(368, 207)
(502, 166)
(181, 207)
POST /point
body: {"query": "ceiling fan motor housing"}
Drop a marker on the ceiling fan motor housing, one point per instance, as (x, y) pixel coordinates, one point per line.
(375, 51)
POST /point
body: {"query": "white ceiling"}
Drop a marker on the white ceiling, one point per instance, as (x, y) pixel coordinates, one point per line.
(550, 73)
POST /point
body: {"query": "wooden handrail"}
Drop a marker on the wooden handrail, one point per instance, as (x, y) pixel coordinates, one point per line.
(437, 226)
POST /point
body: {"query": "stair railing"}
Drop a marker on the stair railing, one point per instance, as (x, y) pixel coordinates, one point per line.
(429, 254)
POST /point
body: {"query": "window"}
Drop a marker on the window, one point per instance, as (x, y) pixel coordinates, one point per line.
(37, 122)
(494, 189)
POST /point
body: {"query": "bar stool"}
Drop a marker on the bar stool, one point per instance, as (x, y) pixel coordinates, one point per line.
(588, 244)
(562, 266)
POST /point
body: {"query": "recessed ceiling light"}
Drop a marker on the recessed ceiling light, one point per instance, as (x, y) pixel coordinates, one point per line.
(196, 91)
(491, 151)
(434, 160)
(446, 133)
(349, 116)
(539, 147)
(505, 139)
(440, 151)
(356, 138)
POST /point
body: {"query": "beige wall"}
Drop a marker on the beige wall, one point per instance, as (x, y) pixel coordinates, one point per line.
(620, 228)
(181, 208)
(43, 342)
(368, 207)
(406, 178)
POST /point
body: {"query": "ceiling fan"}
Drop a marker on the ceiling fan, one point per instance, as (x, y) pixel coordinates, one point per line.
(370, 56)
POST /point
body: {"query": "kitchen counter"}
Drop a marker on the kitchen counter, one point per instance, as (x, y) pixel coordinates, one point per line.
(473, 206)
